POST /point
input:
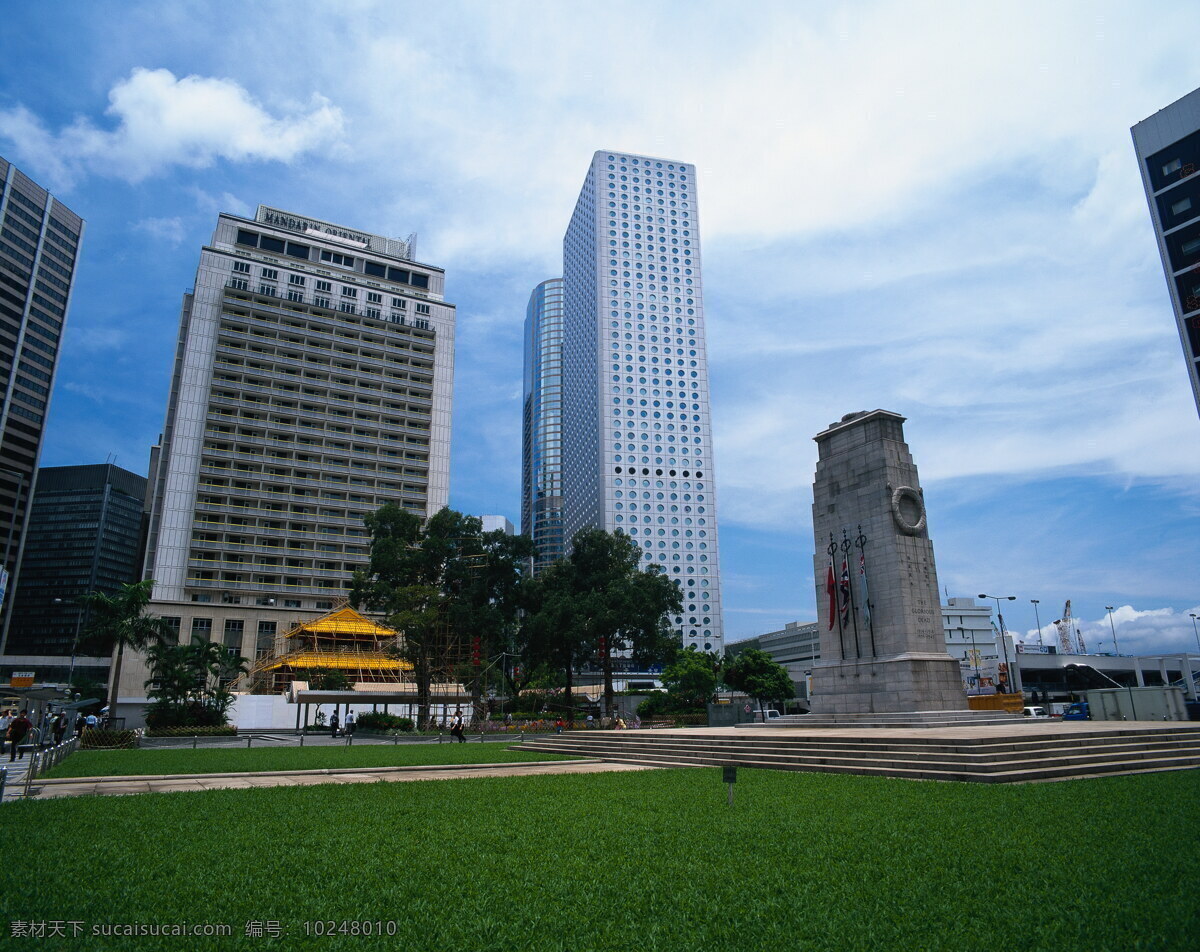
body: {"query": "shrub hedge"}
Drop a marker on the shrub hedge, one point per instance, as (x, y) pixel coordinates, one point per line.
(95, 738)
(224, 731)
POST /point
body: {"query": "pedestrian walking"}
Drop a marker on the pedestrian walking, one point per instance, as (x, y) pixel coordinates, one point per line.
(91, 721)
(333, 725)
(60, 727)
(17, 731)
(5, 719)
(559, 724)
(79, 724)
(456, 727)
(350, 723)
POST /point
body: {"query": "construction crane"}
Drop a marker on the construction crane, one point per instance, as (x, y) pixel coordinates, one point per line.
(1064, 630)
(1070, 638)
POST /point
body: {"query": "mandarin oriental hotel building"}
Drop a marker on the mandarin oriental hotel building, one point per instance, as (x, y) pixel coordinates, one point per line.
(312, 384)
(637, 434)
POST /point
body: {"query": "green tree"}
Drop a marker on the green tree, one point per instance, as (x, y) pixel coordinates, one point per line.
(328, 679)
(690, 679)
(120, 621)
(597, 601)
(442, 583)
(188, 684)
(755, 673)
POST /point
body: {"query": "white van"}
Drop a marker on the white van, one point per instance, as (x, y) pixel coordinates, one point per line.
(1036, 712)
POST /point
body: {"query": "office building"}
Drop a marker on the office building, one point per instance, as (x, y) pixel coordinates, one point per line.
(1168, 151)
(542, 424)
(312, 384)
(85, 535)
(39, 247)
(637, 436)
(497, 524)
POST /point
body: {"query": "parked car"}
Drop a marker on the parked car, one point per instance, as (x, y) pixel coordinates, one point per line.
(1077, 712)
(767, 715)
(1036, 712)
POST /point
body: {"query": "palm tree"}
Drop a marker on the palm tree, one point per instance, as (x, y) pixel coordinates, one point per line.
(118, 620)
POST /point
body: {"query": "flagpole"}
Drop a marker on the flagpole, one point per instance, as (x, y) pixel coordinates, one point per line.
(832, 550)
(861, 542)
(850, 590)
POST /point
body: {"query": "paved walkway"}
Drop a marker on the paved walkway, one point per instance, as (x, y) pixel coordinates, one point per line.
(116, 786)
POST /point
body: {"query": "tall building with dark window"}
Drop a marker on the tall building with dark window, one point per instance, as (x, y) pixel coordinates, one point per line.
(637, 432)
(85, 535)
(541, 470)
(312, 384)
(39, 247)
(1168, 150)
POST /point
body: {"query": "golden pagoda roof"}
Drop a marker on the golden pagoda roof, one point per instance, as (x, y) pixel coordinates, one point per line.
(361, 660)
(342, 621)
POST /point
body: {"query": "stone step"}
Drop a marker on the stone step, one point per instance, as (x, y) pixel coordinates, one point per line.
(916, 719)
(1006, 758)
(730, 754)
(922, 768)
(866, 747)
(875, 741)
(698, 754)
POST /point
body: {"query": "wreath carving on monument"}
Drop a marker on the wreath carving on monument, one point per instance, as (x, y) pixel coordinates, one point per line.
(908, 509)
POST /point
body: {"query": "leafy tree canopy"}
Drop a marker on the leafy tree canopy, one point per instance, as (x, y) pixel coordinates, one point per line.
(690, 678)
(754, 672)
(598, 600)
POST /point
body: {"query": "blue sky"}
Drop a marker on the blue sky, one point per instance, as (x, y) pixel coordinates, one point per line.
(928, 207)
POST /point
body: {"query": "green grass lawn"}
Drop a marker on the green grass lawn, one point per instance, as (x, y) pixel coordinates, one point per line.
(627, 861)
(125, 763)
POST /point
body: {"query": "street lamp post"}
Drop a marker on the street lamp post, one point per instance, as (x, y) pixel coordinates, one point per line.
(74, 645)
(974, 654)
(1003, 635)
(1116, 647)
(1037, 602)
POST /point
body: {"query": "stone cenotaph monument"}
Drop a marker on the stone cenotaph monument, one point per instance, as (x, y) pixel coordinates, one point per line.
(880, 619)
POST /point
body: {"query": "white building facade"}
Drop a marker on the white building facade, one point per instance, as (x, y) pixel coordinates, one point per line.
(312, 384)
(637, 434)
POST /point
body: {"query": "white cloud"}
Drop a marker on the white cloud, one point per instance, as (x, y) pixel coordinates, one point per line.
(225, 202)
(1138, 631)
(163, 121)
(165, 229)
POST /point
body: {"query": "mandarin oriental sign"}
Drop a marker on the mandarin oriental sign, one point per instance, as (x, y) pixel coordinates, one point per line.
(272, 216)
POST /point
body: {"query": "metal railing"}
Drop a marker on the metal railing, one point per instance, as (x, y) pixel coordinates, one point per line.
(40, 760)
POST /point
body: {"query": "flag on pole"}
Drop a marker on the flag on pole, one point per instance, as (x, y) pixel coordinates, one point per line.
(866, 600)
(844, 594)
(831, 588)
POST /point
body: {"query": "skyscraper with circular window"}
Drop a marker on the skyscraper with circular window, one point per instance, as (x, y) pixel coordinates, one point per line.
(637, 434)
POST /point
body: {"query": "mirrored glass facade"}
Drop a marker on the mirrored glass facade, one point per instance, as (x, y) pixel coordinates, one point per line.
(541, 476)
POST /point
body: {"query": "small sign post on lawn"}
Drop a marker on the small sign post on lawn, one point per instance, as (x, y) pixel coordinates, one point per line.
(730, 775)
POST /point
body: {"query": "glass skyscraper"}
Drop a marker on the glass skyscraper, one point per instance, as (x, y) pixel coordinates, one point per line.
(39, 247)
(637, 436)
(85, 535)
(1168, 150)
(542, 424)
